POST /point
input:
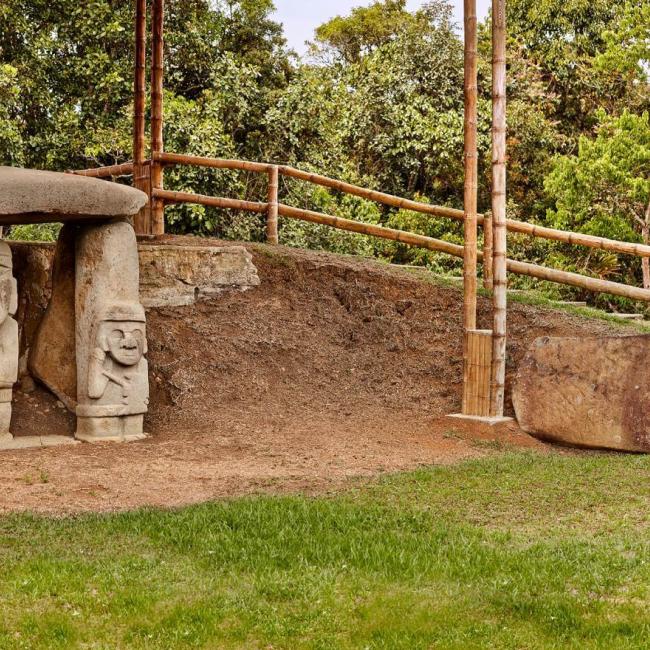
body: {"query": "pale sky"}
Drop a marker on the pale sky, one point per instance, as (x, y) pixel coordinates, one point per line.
(301, 17)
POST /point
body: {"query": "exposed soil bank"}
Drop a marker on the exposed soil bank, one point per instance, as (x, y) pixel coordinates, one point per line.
(332, 368)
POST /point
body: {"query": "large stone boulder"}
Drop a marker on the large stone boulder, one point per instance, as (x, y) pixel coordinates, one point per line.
(32, 196)
(587, 392)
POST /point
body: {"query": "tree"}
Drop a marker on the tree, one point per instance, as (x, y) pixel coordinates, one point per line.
(75, 65)
(349, 38)
(605, 189)
(10, 133)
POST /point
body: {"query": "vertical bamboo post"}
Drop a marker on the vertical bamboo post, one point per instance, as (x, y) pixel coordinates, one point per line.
(499, 296)
(157, 22)
(140, 175)
(488, 250)
(272, 213)
(470, 194)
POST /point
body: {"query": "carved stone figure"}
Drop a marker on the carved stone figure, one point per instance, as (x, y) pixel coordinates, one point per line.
(111, 341)
(8, 339)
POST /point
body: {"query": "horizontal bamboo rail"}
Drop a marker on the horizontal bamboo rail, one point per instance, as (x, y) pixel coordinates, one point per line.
(125, 169)
(212, 201)
(521, 227)
(214, 163)
(421, 241)
(520, 268)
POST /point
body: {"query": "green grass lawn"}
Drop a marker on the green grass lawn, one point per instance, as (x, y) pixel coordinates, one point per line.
(519, 550)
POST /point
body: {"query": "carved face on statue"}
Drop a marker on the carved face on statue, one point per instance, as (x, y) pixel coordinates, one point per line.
(124, 341)
(121, 334)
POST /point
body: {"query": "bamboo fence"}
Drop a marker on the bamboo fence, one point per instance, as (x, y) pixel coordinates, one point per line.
(499, 274)
(520, 268)
(484, 351)
(422, 241)
(519, 227)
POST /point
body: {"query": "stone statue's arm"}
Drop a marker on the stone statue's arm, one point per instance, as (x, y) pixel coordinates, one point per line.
(97, 381)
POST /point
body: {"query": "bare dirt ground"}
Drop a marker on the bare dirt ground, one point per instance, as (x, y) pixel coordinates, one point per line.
(332, 369)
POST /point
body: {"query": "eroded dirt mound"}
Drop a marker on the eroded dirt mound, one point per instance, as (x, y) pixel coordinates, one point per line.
(332, 368)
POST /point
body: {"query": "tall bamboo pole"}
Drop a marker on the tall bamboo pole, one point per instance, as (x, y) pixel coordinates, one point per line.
(140, 175)
(500, 279)
(470, 204)
(471, 166)
(157, 43)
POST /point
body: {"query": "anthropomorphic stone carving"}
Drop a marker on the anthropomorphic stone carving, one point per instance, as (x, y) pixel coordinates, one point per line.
(111, 340)
(118, 385)
(8, 338)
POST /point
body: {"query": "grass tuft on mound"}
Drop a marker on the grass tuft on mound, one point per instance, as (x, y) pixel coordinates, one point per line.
(519, 550)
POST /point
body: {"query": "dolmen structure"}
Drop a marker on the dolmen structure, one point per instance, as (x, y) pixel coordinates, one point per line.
(90, 348)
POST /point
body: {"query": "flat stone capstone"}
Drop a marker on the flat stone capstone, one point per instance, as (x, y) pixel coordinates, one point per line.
(32, 196)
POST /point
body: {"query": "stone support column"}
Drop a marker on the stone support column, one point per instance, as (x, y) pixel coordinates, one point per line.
(110, 331)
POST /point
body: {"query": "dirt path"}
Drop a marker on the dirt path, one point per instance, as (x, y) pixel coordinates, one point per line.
(332, 369)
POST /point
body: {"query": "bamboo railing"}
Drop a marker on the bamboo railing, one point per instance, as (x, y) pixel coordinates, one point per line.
(520, 227)
(520, 268)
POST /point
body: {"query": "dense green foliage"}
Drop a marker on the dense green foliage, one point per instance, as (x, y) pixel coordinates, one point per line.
(450, 557)
(378, 101)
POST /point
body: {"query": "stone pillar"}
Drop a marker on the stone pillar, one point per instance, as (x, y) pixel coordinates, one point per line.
(8, 339)
(111, 342)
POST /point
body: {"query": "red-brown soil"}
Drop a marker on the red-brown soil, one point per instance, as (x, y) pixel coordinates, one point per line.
(333, 368)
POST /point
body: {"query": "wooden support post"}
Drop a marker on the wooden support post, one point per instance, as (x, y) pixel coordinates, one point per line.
(499, 296)
(470, 199)
(272, 213)
(476, 392)
(141, 180)
(157, 205)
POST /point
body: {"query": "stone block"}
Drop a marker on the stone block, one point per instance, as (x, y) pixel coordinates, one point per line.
(586, 392)
(173, 276)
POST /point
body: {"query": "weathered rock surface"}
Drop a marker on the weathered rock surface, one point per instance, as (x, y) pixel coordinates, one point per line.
(51, 358)
(588, 392)
(31, 196)
(173, 276)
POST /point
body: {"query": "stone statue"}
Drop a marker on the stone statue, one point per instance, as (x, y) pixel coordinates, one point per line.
(112, 371)
(117, 381)
(8, 338)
